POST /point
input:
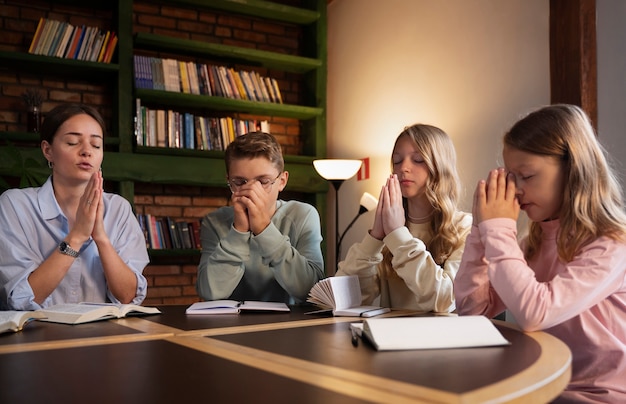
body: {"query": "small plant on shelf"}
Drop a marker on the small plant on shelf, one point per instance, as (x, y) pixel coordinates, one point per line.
(33, 100)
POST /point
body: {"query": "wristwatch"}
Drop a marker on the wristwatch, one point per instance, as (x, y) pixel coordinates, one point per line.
(65, 248)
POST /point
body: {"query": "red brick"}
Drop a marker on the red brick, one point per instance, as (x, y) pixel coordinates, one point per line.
(156, 21)
(164, 291)
(163, 211)
(162, 270)
(197, 212)
(143, 199)
(64, 96)
(181, 300)
(190, 290)
(179, 13)
(172, 200)
(234, 22)
(171, 280)
(145, 8)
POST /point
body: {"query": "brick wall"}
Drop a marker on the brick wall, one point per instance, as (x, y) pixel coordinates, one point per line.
(171, 280)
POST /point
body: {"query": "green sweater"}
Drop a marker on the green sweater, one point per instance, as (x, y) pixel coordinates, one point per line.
(281, 264)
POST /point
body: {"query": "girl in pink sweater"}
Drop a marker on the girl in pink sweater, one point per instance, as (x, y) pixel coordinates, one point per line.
(567, 276)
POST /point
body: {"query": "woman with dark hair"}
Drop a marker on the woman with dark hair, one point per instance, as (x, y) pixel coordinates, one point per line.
(68, 241)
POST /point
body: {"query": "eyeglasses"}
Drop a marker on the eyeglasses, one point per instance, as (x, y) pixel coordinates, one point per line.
(235, 184)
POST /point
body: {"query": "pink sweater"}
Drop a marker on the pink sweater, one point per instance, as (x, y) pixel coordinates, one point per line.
(582, 302)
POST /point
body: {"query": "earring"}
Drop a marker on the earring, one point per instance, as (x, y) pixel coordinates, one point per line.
(50, 164)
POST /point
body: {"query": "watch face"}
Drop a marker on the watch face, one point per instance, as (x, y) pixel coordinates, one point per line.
(66, 249)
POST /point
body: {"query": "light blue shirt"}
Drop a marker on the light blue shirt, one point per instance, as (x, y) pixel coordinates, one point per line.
(31, 227)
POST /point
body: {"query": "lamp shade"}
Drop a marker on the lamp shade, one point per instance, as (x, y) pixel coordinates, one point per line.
(337, 169)
(368, 201)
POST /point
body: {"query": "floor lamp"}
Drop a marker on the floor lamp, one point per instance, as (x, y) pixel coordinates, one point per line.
(368, 202)
(336, 171)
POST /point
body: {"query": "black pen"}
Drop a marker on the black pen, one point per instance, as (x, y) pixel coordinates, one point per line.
(355, 337)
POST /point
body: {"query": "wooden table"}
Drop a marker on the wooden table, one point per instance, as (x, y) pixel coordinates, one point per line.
(254, 357)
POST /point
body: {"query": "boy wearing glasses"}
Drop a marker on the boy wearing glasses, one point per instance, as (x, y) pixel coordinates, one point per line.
(260, 247)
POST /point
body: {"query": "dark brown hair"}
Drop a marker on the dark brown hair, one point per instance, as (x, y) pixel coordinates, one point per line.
(254, 145)
(61, 113)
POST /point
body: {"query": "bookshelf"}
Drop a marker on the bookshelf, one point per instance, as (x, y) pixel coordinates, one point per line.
(125, 163)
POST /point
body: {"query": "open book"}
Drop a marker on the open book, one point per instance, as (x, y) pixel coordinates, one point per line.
(234, 307)
(13, 320)
(342, 296)
(77, 313)
(438, 332)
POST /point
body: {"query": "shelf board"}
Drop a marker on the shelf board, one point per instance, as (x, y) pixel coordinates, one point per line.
(67, 67)
(257, 8)
(226, 53)
(183, 100)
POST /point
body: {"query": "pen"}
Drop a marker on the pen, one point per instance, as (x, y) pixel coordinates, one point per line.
(355, 337)
(375, 312)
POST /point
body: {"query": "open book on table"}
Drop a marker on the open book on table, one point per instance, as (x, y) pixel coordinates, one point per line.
(235, 307)
(342, 296)
(77, 313)
(437, 332)
(13, 320)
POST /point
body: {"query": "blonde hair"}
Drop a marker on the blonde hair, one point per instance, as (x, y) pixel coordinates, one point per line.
(442, 189)
(592, 196)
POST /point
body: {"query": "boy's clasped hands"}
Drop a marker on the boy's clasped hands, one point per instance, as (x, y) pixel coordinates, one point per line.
(253, 208)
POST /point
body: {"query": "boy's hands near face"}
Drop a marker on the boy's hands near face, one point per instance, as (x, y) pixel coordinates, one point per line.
(258, 205)
(240, 222)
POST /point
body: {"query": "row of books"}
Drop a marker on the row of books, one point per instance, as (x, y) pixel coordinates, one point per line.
(64, 40)
(197, 78)
(167, 233)
(183, 130)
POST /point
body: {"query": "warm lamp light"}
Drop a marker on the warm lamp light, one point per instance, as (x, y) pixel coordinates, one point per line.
(337, 171)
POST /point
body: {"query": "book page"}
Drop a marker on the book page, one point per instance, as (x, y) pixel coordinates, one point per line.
(263, 306)
(214, 307)
(346, 291)
(14, 320)
(79, 308)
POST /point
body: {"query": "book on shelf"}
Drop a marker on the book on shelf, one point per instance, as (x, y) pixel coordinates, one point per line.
(33, 43)
(435, 332)
(73, 42)
(341, 295)
(214, 307)
(78, 313)
(14, 321)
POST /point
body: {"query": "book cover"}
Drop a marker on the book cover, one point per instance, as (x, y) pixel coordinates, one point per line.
(71, 45)
(110, 51)
(67, 34)
(103, 46)
(215, 307)
(49, 33)
(277, 90)
(79, 43)
(33, 43)
(184, 78)
(436, 332)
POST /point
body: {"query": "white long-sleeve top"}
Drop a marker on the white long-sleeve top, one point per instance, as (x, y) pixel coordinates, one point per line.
(416, 282)
(581, 302)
